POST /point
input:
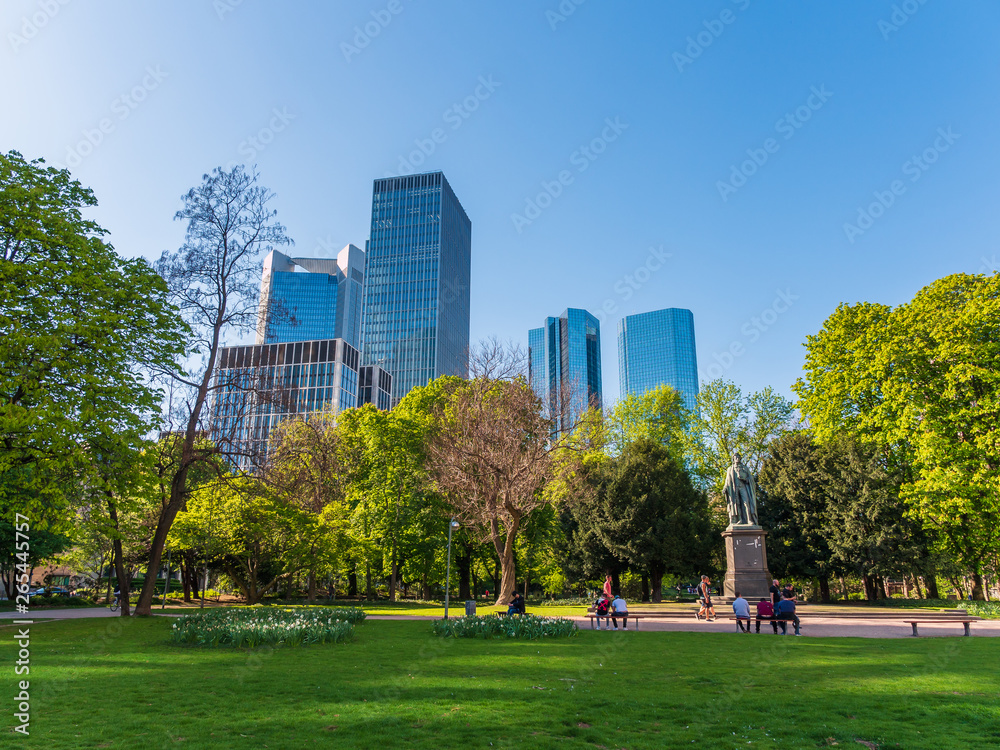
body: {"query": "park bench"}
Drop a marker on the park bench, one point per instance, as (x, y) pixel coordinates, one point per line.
(592, 616)
(964, 620)
(503, 613)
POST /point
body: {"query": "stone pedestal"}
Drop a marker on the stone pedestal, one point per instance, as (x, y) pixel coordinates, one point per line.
(746, 563)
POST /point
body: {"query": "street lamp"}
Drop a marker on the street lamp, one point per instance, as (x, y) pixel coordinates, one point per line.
(452, 525)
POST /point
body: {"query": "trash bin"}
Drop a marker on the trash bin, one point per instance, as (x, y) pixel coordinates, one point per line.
(470, 608)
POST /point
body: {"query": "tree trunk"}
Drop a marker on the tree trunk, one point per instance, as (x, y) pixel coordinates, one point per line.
(392, 573)
(116, 545)
(916, 583)
(352, 583)
(880, 588)
(463, 562)
(312, 586)
(505, 551)
(645, 587)
(824, 589)
(369, 591)
(932, 588)
(425, 587)
(616, 582)
(656, 581)
(977, 587)
(906, 586)
(843, 588)
(869, 588)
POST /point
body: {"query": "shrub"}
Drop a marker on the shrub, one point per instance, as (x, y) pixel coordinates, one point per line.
(530, 627)
(986, 610)
(255, 626)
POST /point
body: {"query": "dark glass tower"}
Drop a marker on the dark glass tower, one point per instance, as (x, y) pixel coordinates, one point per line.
(657, 348)
(564, 364)
(416, 313)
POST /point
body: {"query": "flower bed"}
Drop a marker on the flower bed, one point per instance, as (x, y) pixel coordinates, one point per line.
(530, 627)
(986, 610)
(256, 626)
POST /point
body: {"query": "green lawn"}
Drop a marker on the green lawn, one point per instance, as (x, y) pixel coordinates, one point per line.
(105, 683)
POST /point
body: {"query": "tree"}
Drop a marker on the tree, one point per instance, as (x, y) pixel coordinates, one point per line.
(214, 280)
(657, 415)
(490, 457)
(78, 323)
(728, 422)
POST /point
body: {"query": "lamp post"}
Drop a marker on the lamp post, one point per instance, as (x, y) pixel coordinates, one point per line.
(452, 525)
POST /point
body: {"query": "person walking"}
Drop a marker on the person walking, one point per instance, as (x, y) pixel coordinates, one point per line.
(705, 597)
(741, 608)
(607, 588)
(619, 607)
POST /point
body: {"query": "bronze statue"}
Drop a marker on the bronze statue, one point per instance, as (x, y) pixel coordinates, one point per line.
(740, 491)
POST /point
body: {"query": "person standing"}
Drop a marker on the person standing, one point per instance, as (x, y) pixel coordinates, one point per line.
(607, 587)
(619, 607)
(705, 597)
(775, 592)
(741, 608)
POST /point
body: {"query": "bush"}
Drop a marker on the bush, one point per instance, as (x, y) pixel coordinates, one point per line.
(530, 627)
(986, 610)
(255, 626)
(855, 596)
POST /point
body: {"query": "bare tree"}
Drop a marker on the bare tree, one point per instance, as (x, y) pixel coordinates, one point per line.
(214, 281)
(492, 453)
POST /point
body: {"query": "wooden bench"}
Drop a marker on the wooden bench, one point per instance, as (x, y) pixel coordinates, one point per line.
(964, 620)
(503, 613)
(615, 615)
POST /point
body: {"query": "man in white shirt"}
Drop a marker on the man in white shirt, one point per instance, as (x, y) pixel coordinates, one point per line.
(619, 607)
(741, 608)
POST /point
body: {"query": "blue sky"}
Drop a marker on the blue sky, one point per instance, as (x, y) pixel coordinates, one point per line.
(744, 136)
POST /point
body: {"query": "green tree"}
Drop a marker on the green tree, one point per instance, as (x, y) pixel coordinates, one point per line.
(657, 415)
(79, 323)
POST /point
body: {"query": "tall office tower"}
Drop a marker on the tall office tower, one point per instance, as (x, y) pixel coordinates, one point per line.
(416, 315)
(304, 299)
(656, 348)
(564, 365)
(260, 385)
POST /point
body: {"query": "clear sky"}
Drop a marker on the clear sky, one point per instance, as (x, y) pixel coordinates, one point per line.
(743, 137)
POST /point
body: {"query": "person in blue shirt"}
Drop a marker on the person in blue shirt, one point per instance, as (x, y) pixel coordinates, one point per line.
(785, 612)
(741, 608)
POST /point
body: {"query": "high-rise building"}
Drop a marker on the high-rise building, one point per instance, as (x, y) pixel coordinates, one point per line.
(307, 299)
(564, 365)
(260, 385)
(657, 348)
(416, 313)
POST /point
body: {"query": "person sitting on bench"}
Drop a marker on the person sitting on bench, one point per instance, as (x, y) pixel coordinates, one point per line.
(765, 611)
(516, 606)
(619, 607)
(785, 612)
(741, 608)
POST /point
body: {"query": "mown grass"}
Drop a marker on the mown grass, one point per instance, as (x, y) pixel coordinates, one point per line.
(109, 684)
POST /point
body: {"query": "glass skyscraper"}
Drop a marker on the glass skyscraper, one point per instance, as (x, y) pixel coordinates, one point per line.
(657, 348)
(305, 299)
(564, 365)
(416, 313)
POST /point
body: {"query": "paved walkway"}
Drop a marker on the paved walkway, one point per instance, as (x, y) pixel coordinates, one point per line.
(814, 626)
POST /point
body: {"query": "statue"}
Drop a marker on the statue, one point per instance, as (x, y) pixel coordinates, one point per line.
(740, 491)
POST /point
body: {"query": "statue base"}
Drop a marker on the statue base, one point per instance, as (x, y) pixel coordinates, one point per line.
(746, 563)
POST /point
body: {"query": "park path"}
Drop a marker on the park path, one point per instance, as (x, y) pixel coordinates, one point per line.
(814, 626)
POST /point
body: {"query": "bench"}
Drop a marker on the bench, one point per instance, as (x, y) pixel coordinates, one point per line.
(503, 613)
(965, 623)
(615, 615)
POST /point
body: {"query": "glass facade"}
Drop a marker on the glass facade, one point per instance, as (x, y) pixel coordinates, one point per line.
(416, 311)
(564, 365)
(657, 348)
(258, 386)
(305, 299)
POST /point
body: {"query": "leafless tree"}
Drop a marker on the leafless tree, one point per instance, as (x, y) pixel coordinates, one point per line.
(214, 280)
(493, 452)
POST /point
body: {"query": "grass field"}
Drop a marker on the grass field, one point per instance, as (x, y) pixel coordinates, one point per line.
(115, 684)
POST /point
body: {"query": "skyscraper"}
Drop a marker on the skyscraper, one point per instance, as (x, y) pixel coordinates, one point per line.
(564, 365)
(416, 314)
(657, 348)
(303, 299)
